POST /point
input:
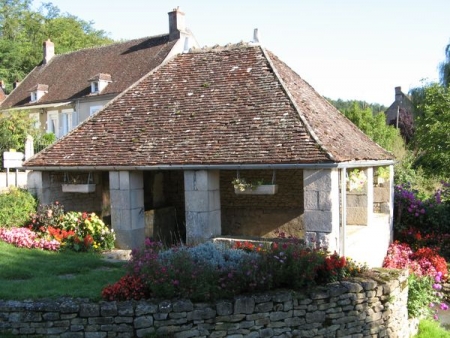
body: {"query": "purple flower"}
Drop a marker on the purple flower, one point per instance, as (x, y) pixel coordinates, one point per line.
(438, 279)
(436, 317)
(444, 306)
(437, 286)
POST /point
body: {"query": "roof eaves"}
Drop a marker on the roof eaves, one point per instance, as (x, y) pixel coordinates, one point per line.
(302, 117)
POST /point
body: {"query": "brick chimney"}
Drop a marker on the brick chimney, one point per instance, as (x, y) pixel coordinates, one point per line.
(398, 94)
(176, 24)
(49, 51)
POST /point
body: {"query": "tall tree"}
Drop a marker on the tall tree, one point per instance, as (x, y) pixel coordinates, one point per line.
(444, 68)
(432, 134)
(23, 30)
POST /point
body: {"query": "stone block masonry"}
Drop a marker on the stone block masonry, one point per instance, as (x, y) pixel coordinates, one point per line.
(363, 307)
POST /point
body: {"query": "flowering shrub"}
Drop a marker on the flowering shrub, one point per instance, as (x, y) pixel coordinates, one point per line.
(424, 262)
(430, 262)
(428, 271)
(211, 271)
(47, 215)
(427, 215)
(50, 228)
(86, 231)
(425, 296)
(128, 287)
(26, 238)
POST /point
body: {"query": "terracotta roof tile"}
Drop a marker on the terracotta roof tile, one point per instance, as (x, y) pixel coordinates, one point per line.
(213, 107)
(67, 75)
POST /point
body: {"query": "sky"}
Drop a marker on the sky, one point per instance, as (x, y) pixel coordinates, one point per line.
(346, 49)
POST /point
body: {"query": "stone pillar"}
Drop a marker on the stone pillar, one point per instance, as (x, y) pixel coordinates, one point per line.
(38, 184)
(127, 208)
(202, 202)
(321, 215)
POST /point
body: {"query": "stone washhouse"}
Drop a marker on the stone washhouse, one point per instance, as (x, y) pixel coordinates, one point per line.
(159, 159)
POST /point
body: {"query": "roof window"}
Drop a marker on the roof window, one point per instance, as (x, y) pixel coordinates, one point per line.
(99, 82)
(37, 92)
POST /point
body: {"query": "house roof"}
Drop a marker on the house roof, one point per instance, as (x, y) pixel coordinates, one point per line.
(235, 105)
(67, 75)
(401, 102)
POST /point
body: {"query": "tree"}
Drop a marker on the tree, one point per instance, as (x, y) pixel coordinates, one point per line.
(444, 68)
(23, 30)
(432, 130)
(373, 126)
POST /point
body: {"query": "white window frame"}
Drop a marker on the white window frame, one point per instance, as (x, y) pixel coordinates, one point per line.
(52, 122)
(95, 87)
(68, 121)
(61, 123)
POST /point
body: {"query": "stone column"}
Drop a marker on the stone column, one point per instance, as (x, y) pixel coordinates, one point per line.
(321, 215)
(38, 184)
(202, 202)
(127, 208)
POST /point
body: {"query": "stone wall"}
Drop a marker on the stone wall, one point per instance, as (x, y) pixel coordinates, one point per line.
(369, 307)
(261, 215)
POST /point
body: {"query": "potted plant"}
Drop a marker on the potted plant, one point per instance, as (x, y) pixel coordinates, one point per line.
(356, 180)
(383, 174)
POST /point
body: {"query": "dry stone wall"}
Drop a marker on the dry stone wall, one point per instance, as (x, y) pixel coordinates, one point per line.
(370, 307)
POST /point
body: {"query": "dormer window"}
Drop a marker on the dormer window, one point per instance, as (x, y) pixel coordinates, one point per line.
(37, 92)
(99, 82)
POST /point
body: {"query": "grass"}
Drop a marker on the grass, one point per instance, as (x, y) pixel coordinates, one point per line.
(431, 329)
(36, 274)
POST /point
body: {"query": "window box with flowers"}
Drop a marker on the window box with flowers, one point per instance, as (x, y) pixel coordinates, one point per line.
(356, 180)
(242, 187)
(77, 184)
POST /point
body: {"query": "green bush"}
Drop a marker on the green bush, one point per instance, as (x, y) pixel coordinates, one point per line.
(421, 294)
(16, 206)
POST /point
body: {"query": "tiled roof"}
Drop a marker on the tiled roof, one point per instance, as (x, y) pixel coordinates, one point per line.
(239, 105)
(67, 75)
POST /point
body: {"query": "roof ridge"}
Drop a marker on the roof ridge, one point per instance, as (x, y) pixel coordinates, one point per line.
(115, 43)
(220, 48)
(308, 127)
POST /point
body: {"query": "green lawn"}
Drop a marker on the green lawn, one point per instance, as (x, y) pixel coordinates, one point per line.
(431, 329)
(35, 274)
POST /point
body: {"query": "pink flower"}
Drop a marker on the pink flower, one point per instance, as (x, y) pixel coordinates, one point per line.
(444, 306)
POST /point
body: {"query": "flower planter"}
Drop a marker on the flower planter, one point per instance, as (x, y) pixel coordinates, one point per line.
(79, 188)
(265, 189)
